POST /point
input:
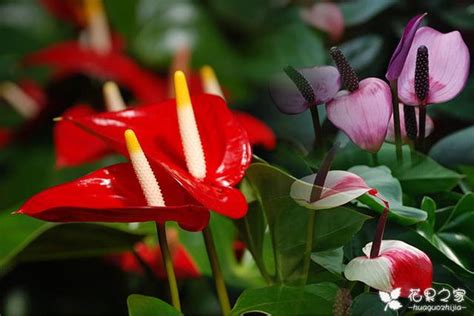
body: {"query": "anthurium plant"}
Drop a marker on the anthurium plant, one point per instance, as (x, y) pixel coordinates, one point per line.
(236, 158)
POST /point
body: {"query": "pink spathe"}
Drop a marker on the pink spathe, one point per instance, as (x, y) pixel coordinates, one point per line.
(363, 114)
(448, 67)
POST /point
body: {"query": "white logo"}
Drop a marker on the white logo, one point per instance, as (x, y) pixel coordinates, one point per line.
(390, 299)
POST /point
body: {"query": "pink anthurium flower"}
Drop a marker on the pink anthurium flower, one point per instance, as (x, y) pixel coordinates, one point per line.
(327, 17)
(362, 111)
(401, 52)
(448, 60)
(391, 128)
(398, 265)
(339, 188)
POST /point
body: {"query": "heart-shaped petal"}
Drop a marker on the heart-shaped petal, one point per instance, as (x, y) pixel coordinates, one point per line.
(113, 194)
(390, 137)
(339, 188)
(401, 52)
(70, 57)
(399, 265)
(363, 114)
(73, 145)
(226, 146)
(448, 58)
(324, 83)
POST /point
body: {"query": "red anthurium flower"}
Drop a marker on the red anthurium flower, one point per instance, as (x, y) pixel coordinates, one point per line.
(70, 57)
(448, 60)
(73, 145)
(223, 143)
(363, 111)
(68, 137)
(127, 192)
(260, 134)
(390, 137)
(183, 264)
(398, 265)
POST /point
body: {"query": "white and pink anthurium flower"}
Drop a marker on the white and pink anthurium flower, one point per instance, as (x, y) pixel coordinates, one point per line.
(390, 137)
(339, 188)
(448, 67)
(398, 265)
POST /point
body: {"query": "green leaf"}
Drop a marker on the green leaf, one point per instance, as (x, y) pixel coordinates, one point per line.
(313, 299)
(389, 187)
(141, 305)
(368, 304)
(455, 149)
(460, 107)
(360, 11)
(122, 15)
(287, 221)
(417, 175)
(276, 50)
(362, 51)
(331, 260)
(462, 18)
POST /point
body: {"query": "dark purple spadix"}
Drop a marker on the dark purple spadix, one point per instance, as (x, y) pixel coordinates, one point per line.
(348, 75)
(295, 90)
(422, 75)
(401, 52)
(411, 128)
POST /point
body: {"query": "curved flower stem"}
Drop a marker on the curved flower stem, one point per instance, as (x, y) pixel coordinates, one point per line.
(309, 243)
(374, 252)
(396, 120)
(422, 126)
(318, 132)
(216, 271)
(165, 252)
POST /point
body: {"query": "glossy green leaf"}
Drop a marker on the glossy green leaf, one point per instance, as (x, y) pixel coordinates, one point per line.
(313, 299)
(362, 51)
(390, 189)
(455, 149)
(417, 175)
(360, 11)
(331, 260)
(141, 305)
(368, 304)
(287, 221)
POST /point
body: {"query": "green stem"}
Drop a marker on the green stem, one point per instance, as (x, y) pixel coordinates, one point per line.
(375, 159)
(165, 252)
(216, 271)
(396, 120)
(309, 243)
(366, 288)
(318, 132)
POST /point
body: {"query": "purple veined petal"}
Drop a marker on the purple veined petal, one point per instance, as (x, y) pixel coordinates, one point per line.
(400, 54)
(363, 115)
(325, 82)
(390, 137)
(448, 66)
(398, 266)
(339, 188)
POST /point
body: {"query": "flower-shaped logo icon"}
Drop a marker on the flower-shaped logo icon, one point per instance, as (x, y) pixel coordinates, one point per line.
(391, 299)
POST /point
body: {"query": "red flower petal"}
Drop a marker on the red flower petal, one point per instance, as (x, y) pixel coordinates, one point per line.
(70, 57)
(66, 10)
(113, 194)
(74, 146)
(226, 146)
(258, 132)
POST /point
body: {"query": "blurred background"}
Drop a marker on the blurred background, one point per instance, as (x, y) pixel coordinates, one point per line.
(50, 269)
